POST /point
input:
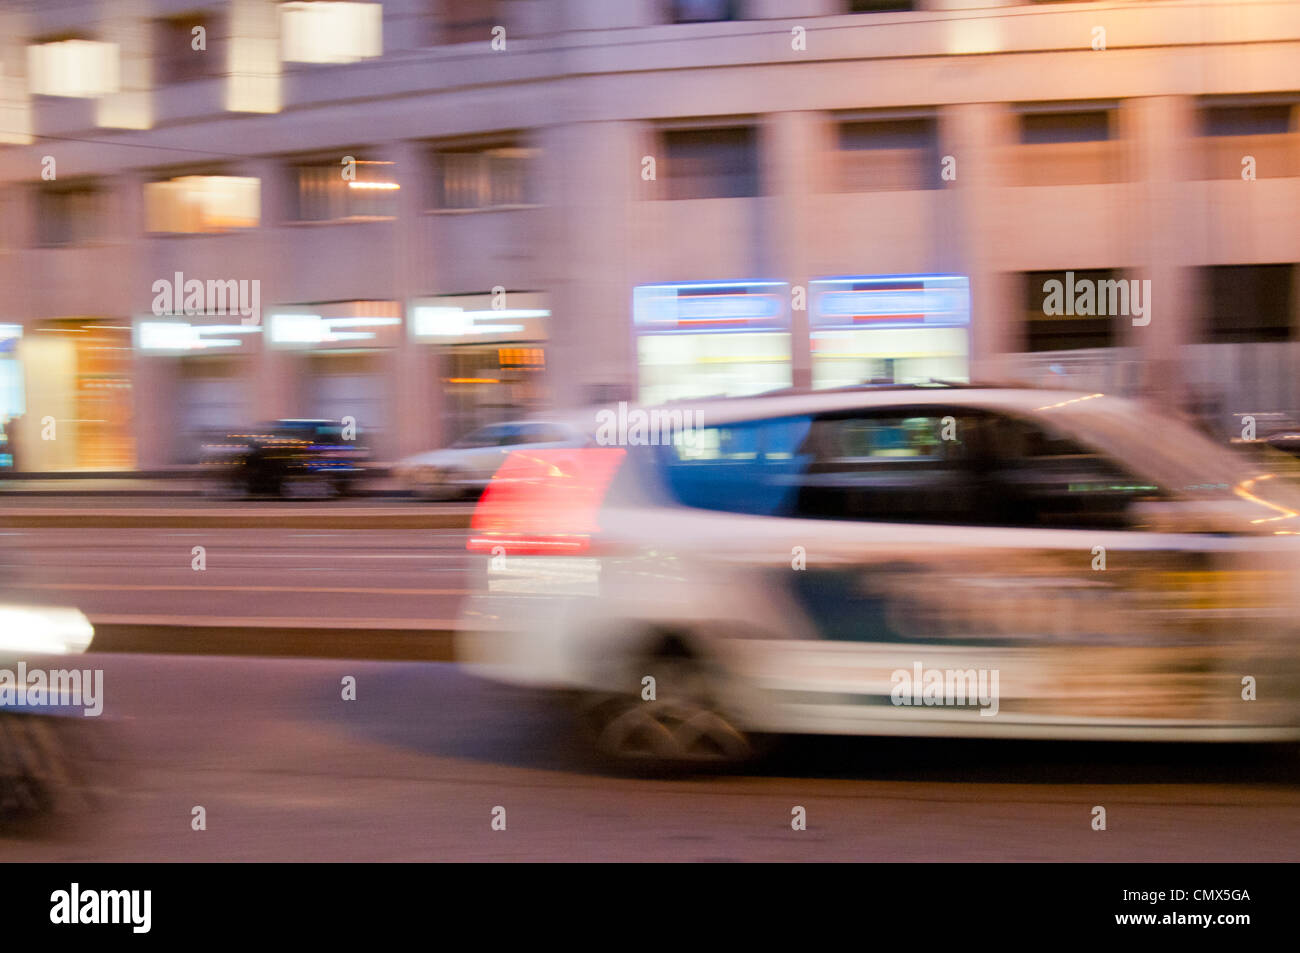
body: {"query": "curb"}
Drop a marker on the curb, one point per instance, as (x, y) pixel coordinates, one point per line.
(408, 517)
(395, 640)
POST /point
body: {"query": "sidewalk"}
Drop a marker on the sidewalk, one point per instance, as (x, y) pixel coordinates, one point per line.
(179, 482)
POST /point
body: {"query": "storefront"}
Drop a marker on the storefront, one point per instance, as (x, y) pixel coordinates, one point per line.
(78, 395)
(705, 339)
(12, 399)
(342, 365)
(207, 383)
(891, 329)
(489, 355)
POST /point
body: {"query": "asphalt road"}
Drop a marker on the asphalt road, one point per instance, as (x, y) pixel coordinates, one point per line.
(273, 573)
(414, 767)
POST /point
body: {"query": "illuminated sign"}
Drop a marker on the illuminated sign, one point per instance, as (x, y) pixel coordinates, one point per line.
(890, 301)
(482, 318)
(180, 336)
(710, 306)
(336, 325)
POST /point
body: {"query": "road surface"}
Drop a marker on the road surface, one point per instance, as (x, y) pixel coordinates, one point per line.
(412, 770)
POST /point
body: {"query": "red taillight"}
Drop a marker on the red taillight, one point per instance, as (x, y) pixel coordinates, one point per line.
(544, 501)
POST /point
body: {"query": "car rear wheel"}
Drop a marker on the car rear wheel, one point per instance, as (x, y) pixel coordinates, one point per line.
(682, 727)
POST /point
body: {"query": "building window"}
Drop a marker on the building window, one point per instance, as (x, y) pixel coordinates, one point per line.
(1072, 310)
(701, 11)
(486, 175)
(710, 163)
(330, 190)
(887, 154)
(466, 21)
(1240, 137)
(1040, 128)
(72, 66)
(330, 31)
(202, 203)
(1067, 145)
(69, 214)
(176, 59)
(1249, 303)
(878, 6)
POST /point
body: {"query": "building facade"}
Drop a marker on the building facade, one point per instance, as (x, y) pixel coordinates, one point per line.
(432, 214)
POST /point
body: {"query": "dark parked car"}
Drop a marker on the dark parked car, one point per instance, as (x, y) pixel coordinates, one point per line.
(289, 458)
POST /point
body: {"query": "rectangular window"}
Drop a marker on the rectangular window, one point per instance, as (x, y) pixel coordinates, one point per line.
(888, 154)
(1246, 120)
(496, 175)
(175, 58)
(878, 6)
(1049, 127)
(332, 191)
(1249, 303)
(466, 21)
(69, 214)
(330, 31)
(711, 162)
(1255, 138)
(1055, 303)
(202, 203)
(73, 67)
(1067, 145)
(702, 11)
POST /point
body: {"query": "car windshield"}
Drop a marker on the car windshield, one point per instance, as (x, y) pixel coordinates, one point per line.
(1178, 456)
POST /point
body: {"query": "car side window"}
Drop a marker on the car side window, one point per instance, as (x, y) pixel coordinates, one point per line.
(896, 465)
(1027, 474)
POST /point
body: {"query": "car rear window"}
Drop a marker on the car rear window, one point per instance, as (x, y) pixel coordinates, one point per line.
(751, 467)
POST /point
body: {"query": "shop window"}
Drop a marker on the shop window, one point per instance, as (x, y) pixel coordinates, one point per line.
(329, 190)
(704, 163)
(888, 154)
(1056, 318)
(202, 203)
(1249, 303)
(492, 175)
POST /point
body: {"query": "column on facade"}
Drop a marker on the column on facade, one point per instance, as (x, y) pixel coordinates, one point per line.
(275, 372)
(415, 392)
(589, 171)
(975, 135)
(790, 144)
(1158, 130)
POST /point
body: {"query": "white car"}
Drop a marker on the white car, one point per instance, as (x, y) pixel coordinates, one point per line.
(958, 561)
(467, 465)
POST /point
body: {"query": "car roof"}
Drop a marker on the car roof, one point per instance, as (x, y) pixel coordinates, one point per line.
(790, 403)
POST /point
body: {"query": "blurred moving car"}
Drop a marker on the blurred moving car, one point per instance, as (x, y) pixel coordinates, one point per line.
(465, 467)
(287, 458)
(42, 734)
(961, 561)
